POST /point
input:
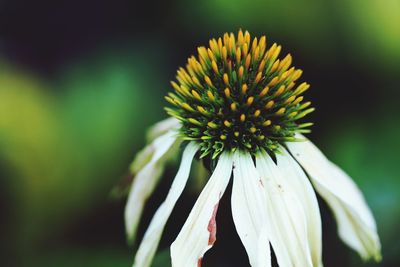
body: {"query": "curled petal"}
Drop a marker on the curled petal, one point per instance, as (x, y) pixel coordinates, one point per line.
(198, 233)
(146, 179)
(148, 246)
(161, 128)
(157, 130)
(356, 224)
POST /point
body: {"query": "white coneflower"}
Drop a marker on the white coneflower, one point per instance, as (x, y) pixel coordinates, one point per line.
(237, 105)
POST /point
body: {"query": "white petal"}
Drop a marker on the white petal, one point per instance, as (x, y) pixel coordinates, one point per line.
(198, 233)
(161, 128)
(264, 251)
(249, 209)
(148, 246)
(158, 129)
(302, 187)
(288, 235)
(141, 159)
(356, 224)
(146, 179)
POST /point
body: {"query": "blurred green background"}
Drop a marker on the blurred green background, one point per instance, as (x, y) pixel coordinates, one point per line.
(81, 80)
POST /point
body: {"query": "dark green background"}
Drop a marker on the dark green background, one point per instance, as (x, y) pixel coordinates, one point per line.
(81, 80)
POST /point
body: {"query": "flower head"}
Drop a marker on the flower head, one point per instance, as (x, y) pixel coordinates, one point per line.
(238, 103)
(238, 94)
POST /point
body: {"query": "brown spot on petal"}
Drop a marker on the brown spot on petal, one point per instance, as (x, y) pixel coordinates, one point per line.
(199, 262)
(212, 226)
(280, 188)
(261, 183)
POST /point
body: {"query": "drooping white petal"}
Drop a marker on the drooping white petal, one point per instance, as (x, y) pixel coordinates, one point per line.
(249, 210)
(161, 128)
(148, 246)
(141, 159)
(301, 186)
(146, 179)
(288, 234)
(198, 234)
(356, 224)
(264, 250)
(158, 129)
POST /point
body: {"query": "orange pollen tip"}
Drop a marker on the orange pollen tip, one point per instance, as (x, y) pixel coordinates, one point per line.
(291, 85)
(194, 121)
(227, 92)
(256, 54)
(170, 100)
(226, 79)
(280, 112)
(269, 104)
(298, 100)
(248, 61)
(212, 125)
(258, 77)
(245, 50)
(187, 107)
(267, 123)
(280, 91)
(275, 66)
(264, 91)
(196, 95)
(261, 66)
(241, 71)
(244, 88)
(208, 80)
(273, 81)
(224, 53)
(238, 55)
(296, 74)
(210, 95)
(210, 54)
(250, 100)
(215, 67)
(289, 100)
(201, 110)
(227, 123)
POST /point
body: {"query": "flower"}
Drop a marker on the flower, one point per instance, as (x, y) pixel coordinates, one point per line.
(238, 106)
